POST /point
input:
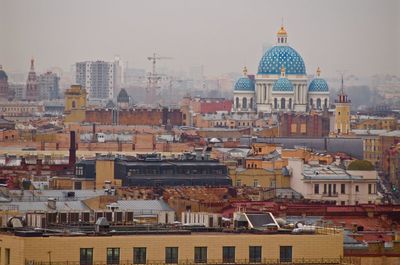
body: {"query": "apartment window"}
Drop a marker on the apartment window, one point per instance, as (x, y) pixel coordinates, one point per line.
(238, 182)
(112, 256)
(255, 184)
(357, 189)
(342, 188)
(200, 254)
(369, 188)
(255, 254)
(334, 188)
(228, 254)
(286, 254)
(139, 255)
(7, 258)
(324, 188)
(342, 203)
(86, 256)
(316, 188)
(171, 255)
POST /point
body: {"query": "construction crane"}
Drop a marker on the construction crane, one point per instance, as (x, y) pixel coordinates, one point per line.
(153, 78)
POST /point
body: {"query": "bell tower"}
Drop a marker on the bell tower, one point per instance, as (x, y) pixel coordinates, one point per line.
(342, 112)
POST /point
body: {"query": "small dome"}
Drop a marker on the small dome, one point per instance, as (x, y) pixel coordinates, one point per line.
(110, 104)
(318, 85)
(123, 96)
(283, 85)
(3, 74)
(244, 84)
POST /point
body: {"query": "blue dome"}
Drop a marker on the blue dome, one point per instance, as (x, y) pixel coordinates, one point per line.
(274, 58)
(244, 84)
(318, 85)
(283, 84)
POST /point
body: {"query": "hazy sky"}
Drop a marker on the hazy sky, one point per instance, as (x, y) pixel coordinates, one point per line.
(361, 37)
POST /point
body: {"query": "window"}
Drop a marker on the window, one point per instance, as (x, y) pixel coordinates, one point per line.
(255, 254)
(171, 255)
(286, 254)
(324, 188)
(357, 189)
(244, 103)
(283, 103)
(86, 256)
(139, 255)
(342, 203)
(369, 188)
(228, 254)
(200, 254)
(342, 188)
(316, 188)
(255, 184)
(112, 256)
(238, 182)
(7, 258)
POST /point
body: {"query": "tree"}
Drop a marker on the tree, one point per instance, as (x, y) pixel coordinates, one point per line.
(361, 165)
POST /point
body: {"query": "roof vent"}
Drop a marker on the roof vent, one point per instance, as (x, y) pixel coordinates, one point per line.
(102, 225)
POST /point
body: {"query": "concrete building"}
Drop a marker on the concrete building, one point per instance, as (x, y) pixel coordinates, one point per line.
(32, 88)
(75, 104)
(98, 78)
(20, 109)
(169, 247)
(49, 86)
(18, 91)
(332, 183)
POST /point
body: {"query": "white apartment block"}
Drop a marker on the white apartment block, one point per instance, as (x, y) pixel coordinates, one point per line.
(99, 78)
(332, 183)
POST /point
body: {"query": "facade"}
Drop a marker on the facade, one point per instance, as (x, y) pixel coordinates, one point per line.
(32, 88)
(168, 247)
(331, 183)
(49, 86)
(342, 113)
(98, 78)
(304, 125)
(20, 109)
(281, 83)
(4, 89)
(18, 91)
(75, 104)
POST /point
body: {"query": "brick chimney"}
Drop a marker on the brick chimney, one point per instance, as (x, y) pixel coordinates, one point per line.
(72, 149)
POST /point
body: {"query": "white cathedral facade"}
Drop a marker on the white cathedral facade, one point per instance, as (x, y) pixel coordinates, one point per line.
(281, 83)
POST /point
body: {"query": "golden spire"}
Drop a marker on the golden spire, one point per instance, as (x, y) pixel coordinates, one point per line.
(245, 71)
(282, 31)
(283, 70)
(318, 71)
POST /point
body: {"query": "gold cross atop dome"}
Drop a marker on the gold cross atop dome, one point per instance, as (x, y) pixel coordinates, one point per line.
(282, 31)
(318, 71)
(245, 71)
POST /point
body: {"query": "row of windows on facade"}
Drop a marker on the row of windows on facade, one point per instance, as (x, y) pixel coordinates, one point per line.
(256, 183)
(149, 170)
(330, 189)
(282, 104)
(172, 255)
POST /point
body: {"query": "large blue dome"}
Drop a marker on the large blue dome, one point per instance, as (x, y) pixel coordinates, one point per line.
(274, 58)
(244, 84)
(318, 85)
(283, 85)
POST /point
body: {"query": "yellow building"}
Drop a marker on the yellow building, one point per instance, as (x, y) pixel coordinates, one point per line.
(105, 173)
(259, 177)
(75, 104)
(377, 123)
(342, 113)
(34, 248)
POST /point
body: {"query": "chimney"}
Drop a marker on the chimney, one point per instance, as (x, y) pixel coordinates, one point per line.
(72, 149)
(94, 132)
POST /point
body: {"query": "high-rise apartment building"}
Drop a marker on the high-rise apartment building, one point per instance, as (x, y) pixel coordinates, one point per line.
(99, 78)
(49, 86)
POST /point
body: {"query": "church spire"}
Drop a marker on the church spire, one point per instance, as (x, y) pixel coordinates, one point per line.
(32, 65)
(282, 35)
(318, 71)
(245, 71)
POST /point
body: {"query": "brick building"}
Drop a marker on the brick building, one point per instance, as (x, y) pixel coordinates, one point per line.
(304, 125)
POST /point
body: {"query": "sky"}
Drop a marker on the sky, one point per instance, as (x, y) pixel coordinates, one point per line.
(360, 37)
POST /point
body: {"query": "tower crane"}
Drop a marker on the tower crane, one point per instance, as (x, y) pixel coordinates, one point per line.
(153, 78)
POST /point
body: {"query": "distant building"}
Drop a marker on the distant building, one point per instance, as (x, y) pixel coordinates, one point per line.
(342, 113)
(123, 99)
(75, 104)
(18, 90)
(332, 183)
(49, 86)
(98, 78)
(32, 88)
(304, 125)
(281, 83)
(20, 109)
(4, 88)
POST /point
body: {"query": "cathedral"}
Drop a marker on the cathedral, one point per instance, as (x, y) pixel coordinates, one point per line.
(281, 83)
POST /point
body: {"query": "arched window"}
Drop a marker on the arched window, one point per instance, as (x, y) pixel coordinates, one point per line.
(318, 103)
(73, 104)
(326, 103)
(290, 104)
(311, 103)
(283, 103)
(251, 103)
(244, 105)
(237, 102)
(275, 103)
